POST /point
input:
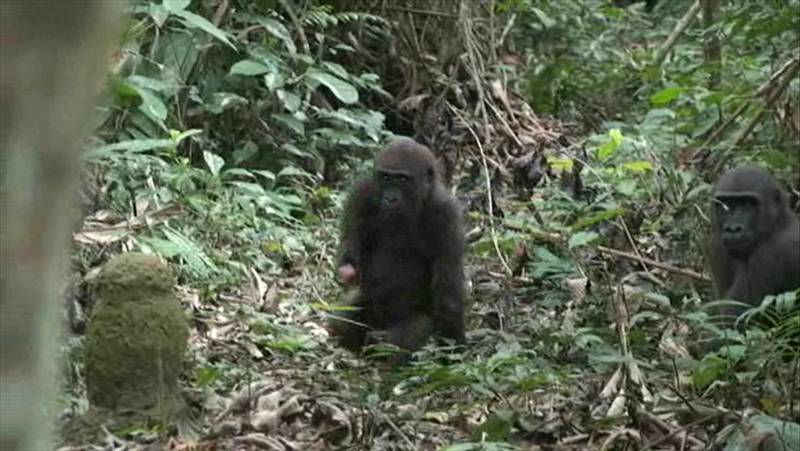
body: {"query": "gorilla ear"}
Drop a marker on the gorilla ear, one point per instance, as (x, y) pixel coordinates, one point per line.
(430, 174)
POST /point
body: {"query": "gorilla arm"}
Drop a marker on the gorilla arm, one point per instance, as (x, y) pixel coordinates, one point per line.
(354, 221)
(447, 239)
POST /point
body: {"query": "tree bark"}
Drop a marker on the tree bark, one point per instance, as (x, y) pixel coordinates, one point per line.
(51, 65)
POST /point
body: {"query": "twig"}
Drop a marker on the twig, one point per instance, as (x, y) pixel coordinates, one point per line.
(764, 88)
(673, 269)
(771, 98)
(424, 12)
(220, 12)
(297, 25)
(397, 429)
(676, 32)
(490, 198)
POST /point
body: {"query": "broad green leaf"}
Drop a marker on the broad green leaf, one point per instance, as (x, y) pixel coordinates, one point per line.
(626, 187)
(149, 83)
(710, 369)
(278, 30)
(596, 218)
(221, 101)
(544, 18)
(341, 89)
(125, 94)
(496, 428)
(291, 101)
(133, 145)
(252, 189)
(616, 136)
(269, 175)
(179, 136)
(608, 149)
(336, 69)
(291, 122)
(158, 13)
(194, 21)
(152, 105)
(248, 67)
(274, 80)
(214, 162)
(174, 6)
(582, 239)
(638, 166)
(560, 164)
(665, 96)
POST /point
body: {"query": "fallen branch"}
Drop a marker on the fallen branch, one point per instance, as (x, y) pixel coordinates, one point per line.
(656, 264)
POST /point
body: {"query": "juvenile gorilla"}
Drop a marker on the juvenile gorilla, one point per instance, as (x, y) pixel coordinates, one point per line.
(402, 244)
(755, 240)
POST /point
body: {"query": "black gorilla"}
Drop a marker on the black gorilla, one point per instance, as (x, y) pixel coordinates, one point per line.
(402, 244)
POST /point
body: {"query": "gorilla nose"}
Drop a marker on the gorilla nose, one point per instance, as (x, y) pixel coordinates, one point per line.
(733, 229)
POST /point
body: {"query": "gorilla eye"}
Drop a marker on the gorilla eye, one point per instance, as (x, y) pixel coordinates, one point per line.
(386, 177)
(403, 177)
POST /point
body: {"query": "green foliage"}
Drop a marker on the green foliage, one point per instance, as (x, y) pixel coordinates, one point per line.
(234, 128)
(764, 337)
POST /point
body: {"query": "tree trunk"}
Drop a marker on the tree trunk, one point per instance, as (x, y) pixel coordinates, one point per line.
(51, 65)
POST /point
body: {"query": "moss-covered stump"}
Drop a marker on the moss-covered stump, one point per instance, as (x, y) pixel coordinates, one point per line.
(136, 338)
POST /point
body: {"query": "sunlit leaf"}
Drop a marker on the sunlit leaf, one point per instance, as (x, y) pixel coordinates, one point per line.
(248, 67)
(152, 105)
(581, 239)
(638, 166)
(710, 369)
(665, 96)
(608, 149)
(221, 101)
(214, 162)
(278, 30)
(194, 21)
(596, 218)
(560, 164)
(343, 90)
(176, 5)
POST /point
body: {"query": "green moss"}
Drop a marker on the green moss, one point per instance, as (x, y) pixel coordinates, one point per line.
(133, 277)
(137, 337)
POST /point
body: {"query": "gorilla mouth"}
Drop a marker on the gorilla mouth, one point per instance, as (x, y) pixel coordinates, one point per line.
(737, 242)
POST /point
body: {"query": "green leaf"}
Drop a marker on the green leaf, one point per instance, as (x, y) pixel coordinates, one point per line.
(665, 96)
(125, 94)
(248, 67)
(221, 101)
(133, 145)
(149, 83)
(214, 162)
(158, 13)
(341, 89)
(291, 101)
(180, 136)
(291, 122)
(192, 20)
(496, 428)
(174, 6)
(638, 166)
(608, 149)
(596, 218)
(582, 239)
(560, 164)
(274, 80)
(711, 368)
(278, 30)
(152, 105)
